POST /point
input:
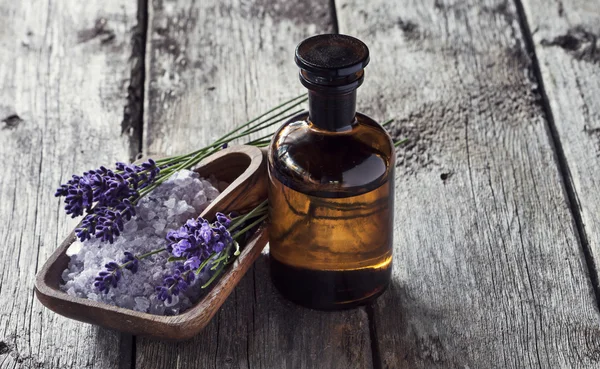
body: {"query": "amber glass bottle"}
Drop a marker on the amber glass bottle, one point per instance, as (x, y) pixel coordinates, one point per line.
(331, 186)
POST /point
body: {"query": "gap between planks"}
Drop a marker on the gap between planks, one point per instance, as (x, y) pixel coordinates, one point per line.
(563, 165)
(133, 124)
(133, 113)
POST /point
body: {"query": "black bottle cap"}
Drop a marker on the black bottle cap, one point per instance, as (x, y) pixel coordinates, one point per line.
(332, 62)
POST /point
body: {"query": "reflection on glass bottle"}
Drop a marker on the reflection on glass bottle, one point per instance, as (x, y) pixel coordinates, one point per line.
(331, 175)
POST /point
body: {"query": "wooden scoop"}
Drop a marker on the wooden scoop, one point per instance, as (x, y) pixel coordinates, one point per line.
(244, 167)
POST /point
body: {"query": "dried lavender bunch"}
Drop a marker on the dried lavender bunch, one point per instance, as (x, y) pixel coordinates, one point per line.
(206, 245)
(111, 275)
(107, 197)
(105, 187)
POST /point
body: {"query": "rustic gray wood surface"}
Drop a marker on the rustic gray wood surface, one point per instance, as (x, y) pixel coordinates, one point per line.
(496, 196)
(64, 72)
(489, 271)
(565, 37)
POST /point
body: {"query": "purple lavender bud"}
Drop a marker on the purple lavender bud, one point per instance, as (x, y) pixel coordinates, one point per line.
(63, 190)
(175, 283)
(130, 262)
(223, 219)
(108, 278)
(191, 223)
(164, 294)
(151, 167)
(219, 246)
(120, 166)
(206, 232)
(126, 208)
(87, 228)
(109, 225)
(107, 197)
(193, 262)
(181, 247)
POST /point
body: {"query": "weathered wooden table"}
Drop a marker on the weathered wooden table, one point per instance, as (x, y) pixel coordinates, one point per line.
(497, 197)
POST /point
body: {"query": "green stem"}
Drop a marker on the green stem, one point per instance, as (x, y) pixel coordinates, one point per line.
(257, 128)
(241, 219)
(387, 122)
(398, 143)
(248, 227)
(217, 273)
(273, 123)
(261, 116)
(143, 256)
(269, 122)
(205, 262)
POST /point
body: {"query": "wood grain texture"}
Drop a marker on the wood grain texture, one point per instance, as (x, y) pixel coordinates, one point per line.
(567, 48)
(63, 82)
(488, 268)
(212, 65)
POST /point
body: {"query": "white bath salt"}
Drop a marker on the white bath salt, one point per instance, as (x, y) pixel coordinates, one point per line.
(168, 207)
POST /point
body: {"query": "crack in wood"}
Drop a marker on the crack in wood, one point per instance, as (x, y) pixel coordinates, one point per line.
(579, 43)
(100, 29)
(569, 43)
(133, 113)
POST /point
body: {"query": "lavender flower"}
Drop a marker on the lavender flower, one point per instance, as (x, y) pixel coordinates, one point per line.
(108, 278)
(223, 219)
(130, 262)
(197, 240)
(105, 223)
(111, 276)
(112, 193)
(175, 283)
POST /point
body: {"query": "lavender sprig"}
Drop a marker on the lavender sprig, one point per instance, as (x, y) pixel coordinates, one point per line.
(107, 197)
(202, 245)
(197, 243)
(174, 283)
(111, 275)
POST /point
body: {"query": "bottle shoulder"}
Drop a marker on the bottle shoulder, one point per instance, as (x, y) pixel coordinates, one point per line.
(331, 164)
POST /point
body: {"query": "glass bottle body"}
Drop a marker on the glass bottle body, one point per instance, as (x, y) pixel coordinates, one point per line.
(331, 208)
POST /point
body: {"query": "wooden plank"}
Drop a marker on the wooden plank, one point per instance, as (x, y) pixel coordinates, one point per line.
(212, 65)
(566, 44)
(63, 78)
(488, 268)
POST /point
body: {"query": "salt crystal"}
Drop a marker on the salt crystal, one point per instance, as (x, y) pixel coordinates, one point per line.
(166, 207)
(74, 248)
(182, 207)
(159, 225)
(212, 193)
(131, 226)
(65, 275)
(141, 304)
(170, 203)
(174, 301)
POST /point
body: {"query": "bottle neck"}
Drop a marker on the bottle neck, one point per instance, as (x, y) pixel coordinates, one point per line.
(332, 112)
